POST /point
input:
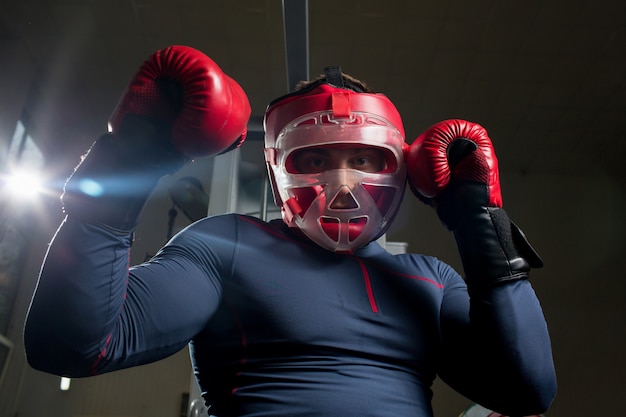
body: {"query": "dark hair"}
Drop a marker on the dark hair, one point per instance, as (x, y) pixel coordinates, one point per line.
(349, 82)
(334, 76)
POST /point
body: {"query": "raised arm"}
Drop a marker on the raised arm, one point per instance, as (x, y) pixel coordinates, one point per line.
(499, 354)
(91, 313)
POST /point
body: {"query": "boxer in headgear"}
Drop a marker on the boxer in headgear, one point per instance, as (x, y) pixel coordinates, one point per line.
(340, 208)
(305, 315)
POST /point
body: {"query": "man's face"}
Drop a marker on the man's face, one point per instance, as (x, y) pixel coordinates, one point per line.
(320, 159)
(340, 182)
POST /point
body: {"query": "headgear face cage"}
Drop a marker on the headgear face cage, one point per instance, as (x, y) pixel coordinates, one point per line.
(323, 115)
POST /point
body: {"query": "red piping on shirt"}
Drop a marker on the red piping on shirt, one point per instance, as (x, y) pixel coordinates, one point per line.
(368, 285)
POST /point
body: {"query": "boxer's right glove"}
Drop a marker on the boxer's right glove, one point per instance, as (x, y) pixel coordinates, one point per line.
(179, 105)
(452, 166)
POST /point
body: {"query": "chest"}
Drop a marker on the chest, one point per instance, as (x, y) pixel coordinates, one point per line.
(331, 302)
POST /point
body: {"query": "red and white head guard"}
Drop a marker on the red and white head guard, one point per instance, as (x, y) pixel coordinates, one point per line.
(323, 115)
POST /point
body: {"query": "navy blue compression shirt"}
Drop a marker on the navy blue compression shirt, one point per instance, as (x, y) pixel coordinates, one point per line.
(278, 326)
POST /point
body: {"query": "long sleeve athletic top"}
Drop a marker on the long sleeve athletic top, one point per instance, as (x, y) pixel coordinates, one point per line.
(278, 326)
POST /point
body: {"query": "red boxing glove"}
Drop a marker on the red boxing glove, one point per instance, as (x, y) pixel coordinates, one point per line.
(178, 106)
(453, 167)
(183, 88)
(453, 149)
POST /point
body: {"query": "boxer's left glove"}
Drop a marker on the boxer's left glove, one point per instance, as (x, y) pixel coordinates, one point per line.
(452, 166)
(178, 106)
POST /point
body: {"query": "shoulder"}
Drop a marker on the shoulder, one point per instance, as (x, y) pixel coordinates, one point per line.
(218, 237)
(429, 267)
(235, 227)
(228, 221)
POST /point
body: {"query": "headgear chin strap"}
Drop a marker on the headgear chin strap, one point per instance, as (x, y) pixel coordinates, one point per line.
(327, 115)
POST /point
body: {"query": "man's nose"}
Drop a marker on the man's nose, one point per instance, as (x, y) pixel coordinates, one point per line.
(339, 160)
(342, 164)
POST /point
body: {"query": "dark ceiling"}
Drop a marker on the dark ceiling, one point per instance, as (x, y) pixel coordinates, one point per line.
(547, 78)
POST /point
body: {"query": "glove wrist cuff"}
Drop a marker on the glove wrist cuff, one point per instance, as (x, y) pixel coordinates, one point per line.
(111, 185)
(493, 249)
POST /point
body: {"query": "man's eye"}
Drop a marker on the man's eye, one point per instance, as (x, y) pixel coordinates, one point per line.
(368, 161)
(316, 162)
(362, 161)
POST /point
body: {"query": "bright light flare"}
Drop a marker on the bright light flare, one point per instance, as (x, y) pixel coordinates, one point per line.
(23, 184)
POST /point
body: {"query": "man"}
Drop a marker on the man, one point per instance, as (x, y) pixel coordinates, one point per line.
(304, 316)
